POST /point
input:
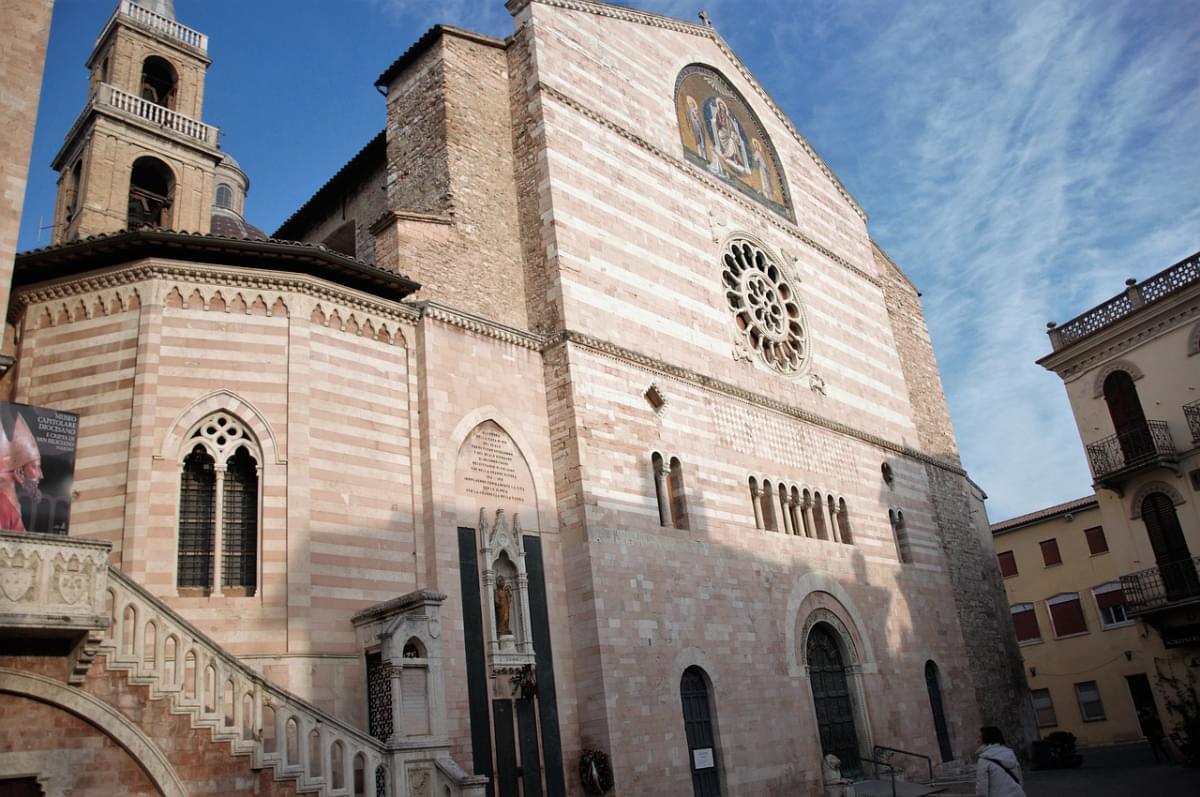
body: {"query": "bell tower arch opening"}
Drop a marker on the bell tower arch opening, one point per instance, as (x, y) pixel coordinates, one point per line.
(160, 81)
(151, 193)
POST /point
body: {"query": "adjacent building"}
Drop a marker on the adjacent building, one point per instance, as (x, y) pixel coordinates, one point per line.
(576, 430)
(1113, 578)
(1091, 667)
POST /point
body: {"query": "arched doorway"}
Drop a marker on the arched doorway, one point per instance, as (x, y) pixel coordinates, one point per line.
(831, 698)
(698, 727)
(933, 684)
(1129, 422)
(1171, 552)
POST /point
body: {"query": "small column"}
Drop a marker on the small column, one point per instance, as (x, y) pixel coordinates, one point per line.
(810, 527)
(660, 491)
(755, 498)
(393, 673)
(218, 542)
(786, 525)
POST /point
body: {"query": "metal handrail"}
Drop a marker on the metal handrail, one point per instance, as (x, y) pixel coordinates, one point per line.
(878, 764)
(928, 760)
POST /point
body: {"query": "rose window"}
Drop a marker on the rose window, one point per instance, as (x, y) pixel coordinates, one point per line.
(768, 314)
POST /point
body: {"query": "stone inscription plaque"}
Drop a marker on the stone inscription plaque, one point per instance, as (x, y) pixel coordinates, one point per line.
(492, 466)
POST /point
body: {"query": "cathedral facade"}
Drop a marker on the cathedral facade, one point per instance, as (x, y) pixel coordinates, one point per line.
(575, 435)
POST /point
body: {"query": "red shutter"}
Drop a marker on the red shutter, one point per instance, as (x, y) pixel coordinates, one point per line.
(1068, 618)
(1096, 540)
(1050, 554)
(1107, 600)
(1026, 625)
(1008, 563)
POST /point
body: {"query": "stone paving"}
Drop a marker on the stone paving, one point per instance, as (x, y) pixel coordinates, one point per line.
(1116, 772)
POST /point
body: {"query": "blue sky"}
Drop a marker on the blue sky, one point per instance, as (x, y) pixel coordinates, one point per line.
(1018, 159)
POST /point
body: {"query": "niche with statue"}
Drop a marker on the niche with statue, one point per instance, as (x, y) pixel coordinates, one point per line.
(506, 587)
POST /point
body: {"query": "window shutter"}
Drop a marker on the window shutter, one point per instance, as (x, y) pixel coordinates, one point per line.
(1050, 554)
(1107, 600)
(1026, 625)
(1097, 543)
(1068, 617)
(1008, 563)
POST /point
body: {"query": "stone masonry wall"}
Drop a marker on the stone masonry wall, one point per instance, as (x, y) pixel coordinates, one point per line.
(23, 39)
(1000, 687)
(930, 412)
(451, 183)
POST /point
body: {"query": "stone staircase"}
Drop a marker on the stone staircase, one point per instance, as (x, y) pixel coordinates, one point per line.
(300, 743)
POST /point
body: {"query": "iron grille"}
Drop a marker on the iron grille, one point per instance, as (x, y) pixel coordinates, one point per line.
(240, 521)
(1160, 587)
(379, 698)
(1139, 446)
(1192, 413)
(197, 499)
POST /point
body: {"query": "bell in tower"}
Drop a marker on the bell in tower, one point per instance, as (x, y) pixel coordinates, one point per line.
(139, 154)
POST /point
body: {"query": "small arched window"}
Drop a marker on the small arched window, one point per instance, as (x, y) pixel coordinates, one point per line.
(73, 189)
(818, 514)
(224, 198)
(219, 501)
(159, 81)
(903, 548)
(766, 498)
(843, 521)
(677, 499)
(151, 193)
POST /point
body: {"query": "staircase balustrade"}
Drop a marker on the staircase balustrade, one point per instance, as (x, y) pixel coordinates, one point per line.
(299, 741)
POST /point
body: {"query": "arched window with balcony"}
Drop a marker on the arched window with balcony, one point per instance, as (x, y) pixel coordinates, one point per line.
(1129, 422)
(151, 193)
(1176, 567)
(219, 500)
(160, 81)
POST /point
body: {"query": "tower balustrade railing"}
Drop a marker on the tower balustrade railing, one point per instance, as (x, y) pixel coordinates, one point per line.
(157, 114)
(157, 23)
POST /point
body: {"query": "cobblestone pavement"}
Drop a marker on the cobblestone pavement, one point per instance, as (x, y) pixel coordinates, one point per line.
(1125, 771)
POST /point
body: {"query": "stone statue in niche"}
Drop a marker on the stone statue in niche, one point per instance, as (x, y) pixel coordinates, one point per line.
(503, 607)
(506, 585)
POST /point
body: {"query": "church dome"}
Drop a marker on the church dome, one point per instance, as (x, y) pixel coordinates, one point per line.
(229, 202)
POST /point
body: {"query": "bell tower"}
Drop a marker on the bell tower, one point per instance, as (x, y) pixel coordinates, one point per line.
(139, 154)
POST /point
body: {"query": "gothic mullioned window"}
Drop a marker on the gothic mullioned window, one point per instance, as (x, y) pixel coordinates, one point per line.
(766, 307)
(219, 508)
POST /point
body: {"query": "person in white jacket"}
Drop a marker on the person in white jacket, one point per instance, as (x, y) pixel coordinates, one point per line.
(997, 773)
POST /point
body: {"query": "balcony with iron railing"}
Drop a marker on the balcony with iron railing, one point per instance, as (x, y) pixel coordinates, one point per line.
(166, 26)
(1192, 413)
(1119, 456)
(1167, 586)
(1162, 285)
(109, 96)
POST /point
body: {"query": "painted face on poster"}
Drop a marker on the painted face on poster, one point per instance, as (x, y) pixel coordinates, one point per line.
(702, 758)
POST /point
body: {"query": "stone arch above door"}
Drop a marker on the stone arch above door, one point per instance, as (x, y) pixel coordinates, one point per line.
(815, 591)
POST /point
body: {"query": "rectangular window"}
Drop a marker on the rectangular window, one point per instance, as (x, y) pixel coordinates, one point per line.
(1050, 554)
(1110, 601)
(1095, 540)
(1025, 623)
(1008, 563)
(1043, 706)
(1090, 706)
(1066, 614)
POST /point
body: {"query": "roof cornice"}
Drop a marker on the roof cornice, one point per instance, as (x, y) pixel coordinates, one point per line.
(78, 258)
